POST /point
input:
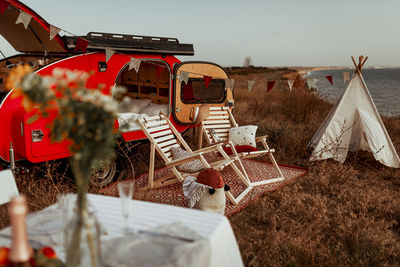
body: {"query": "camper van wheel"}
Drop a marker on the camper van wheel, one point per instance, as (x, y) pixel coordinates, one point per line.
(104, 175)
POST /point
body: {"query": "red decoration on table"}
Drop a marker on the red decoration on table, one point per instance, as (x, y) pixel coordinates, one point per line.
(81, 44)
(48, 252)
(329, 77)
(4, 253)
(159, 70)
(3, 5)
(270, 85)
(207, 80)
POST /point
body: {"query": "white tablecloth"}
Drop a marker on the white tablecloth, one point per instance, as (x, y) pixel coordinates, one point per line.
(146, 215)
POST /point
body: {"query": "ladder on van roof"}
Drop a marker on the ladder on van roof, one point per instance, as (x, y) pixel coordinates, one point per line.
(132, 43)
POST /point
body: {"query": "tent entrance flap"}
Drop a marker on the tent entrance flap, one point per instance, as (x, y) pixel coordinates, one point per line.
(373, 132)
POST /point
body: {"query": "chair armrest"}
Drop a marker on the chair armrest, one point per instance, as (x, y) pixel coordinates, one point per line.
(259, 138)
(180, 161)
(212, 147)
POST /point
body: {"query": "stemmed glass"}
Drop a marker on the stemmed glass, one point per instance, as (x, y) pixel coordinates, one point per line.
(125, 189)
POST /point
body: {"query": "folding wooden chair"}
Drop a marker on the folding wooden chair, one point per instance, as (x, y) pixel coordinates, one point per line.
(163, 136)
(8, 187)
(216, 129)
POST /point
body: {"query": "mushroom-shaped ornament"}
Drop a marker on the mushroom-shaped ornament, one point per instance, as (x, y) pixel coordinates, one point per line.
(206, 192)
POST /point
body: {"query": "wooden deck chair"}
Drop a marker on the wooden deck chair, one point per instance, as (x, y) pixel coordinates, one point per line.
(216, 129)
(163, 136)
(8, 187)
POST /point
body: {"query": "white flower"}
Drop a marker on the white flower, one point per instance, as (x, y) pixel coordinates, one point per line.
(118, 91)
(58, 73)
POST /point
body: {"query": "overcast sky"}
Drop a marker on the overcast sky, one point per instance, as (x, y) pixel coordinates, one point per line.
(271, 32)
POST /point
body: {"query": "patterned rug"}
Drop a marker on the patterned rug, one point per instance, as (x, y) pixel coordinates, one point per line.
(256, 170)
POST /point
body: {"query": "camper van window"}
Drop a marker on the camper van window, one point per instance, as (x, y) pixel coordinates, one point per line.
(195, 91)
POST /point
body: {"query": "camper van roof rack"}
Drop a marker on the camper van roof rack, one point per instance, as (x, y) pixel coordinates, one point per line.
(132, 43)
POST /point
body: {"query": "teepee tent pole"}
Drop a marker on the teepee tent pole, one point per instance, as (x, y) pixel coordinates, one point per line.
(361, 62)
(354, 62)
(362, 65)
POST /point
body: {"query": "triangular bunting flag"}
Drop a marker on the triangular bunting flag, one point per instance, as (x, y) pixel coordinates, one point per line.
(53, 31)
(346, 76)
(312, 83)
(229, 83)
(3, 6)
(81, 44)
(24, 18)
(109, 54)
(184, 77)
(270, 85)
(159, 70)
(207, 80)
(329, 77)
(134, 63)
(290, 83)
(250, 84)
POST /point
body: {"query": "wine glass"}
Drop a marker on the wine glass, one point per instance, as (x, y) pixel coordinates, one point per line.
(125, 189)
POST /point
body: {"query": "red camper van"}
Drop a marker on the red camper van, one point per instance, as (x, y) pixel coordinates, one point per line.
(155, 87)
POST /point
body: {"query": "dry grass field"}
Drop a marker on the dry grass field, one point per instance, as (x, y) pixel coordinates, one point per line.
(337, 215)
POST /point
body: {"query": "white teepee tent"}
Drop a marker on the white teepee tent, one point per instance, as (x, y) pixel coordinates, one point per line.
(354, 124)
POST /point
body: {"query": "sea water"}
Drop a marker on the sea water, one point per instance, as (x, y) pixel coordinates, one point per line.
(383, 85)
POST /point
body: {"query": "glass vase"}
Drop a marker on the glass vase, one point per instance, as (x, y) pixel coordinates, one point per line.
(82, 241)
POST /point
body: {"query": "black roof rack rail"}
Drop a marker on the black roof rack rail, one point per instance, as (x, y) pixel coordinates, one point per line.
(132, 43)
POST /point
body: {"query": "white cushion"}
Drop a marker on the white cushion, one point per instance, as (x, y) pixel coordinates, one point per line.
(243, 135)
(133, 105)
(191, 166)
(154, 109)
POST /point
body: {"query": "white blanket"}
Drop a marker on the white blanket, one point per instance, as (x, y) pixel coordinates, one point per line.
(128, 120)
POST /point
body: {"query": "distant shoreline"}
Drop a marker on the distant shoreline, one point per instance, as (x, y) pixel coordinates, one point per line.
(303, 70)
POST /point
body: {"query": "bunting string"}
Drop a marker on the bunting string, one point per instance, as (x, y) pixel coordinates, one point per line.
(134, 63)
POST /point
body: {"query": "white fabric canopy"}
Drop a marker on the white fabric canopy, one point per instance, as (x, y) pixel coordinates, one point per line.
(354, 124)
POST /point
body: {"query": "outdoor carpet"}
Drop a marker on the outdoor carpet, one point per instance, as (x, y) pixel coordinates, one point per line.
(173, 194)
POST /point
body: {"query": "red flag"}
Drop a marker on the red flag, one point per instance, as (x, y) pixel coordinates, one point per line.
(329, 77)
(81, 44)
(270, 85)
(159, 70)
(3, 5)
(207, 80)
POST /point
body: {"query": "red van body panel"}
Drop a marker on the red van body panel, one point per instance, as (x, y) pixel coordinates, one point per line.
(13, 118)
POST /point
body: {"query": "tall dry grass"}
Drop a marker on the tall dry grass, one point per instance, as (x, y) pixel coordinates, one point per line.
(338, 215)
